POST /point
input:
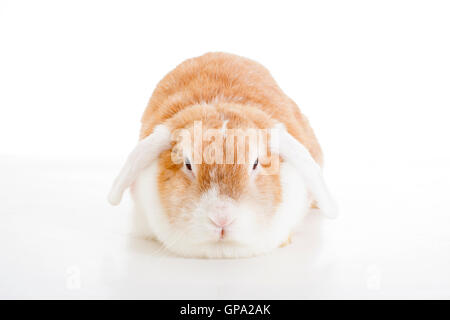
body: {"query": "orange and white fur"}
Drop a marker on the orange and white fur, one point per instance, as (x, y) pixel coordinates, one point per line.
(215, 209)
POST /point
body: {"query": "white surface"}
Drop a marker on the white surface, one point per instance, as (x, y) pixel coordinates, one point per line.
(60, 239)
(373, 78)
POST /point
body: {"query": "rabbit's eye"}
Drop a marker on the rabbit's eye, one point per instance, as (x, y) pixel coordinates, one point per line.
(255, 164)
(188, 165)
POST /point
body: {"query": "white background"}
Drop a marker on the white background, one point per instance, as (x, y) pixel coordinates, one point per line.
(372, 76)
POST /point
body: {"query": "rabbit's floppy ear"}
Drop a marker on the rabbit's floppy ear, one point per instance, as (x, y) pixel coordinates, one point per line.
(147, 150)
(296, 154)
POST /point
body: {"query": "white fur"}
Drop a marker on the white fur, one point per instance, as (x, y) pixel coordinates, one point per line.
(307, 169)
(147, 150)
(251, 232)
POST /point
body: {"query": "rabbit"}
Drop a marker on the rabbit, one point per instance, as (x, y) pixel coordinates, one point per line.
(248, 205)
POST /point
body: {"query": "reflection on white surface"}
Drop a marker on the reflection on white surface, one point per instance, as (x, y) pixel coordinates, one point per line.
(60, 239)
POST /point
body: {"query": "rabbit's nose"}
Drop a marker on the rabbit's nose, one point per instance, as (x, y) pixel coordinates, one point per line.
(221, 220)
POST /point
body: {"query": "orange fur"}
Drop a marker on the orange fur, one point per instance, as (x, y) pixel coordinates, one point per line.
(177, 190)
(212, 88)
(216, 78)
